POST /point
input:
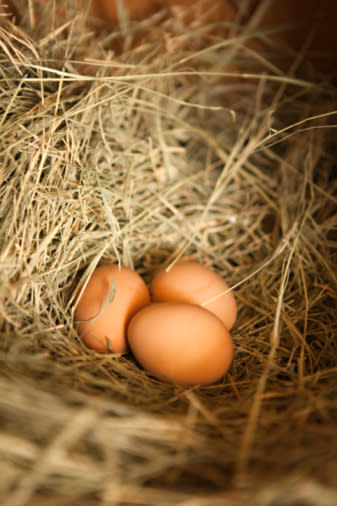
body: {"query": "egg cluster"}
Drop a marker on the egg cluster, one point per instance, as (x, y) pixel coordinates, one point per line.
(178, 329)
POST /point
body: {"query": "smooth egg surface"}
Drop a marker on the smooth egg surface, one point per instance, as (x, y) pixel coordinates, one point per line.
(180, 343)
(107, 10)
(197, 284)
(112, 295)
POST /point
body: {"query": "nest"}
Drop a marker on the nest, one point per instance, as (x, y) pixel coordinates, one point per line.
(144, 147)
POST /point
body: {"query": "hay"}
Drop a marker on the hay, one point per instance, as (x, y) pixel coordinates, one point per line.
(142, 156)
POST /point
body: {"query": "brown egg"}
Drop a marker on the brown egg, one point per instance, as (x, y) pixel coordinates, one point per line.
(107, 10)
(197, 284)
(8, 10)
(109, 300)
(181, 343)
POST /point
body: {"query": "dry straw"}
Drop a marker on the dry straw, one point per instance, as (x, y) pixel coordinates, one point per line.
(142, 154)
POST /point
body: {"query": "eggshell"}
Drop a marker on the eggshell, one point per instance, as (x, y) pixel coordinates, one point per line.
(197, 284)
(180, 343)
(102, 315)
(107, 10)
(8, 10)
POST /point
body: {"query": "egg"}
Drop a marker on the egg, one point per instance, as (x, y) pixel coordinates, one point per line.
(107, 10)
(112, 295)
(180, 343)
(8, 10)
(197, 284)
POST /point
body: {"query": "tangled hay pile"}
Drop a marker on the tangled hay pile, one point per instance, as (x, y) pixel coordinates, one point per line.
(143, 154)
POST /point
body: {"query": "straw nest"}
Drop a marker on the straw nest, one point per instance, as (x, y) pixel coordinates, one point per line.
(181, 145)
